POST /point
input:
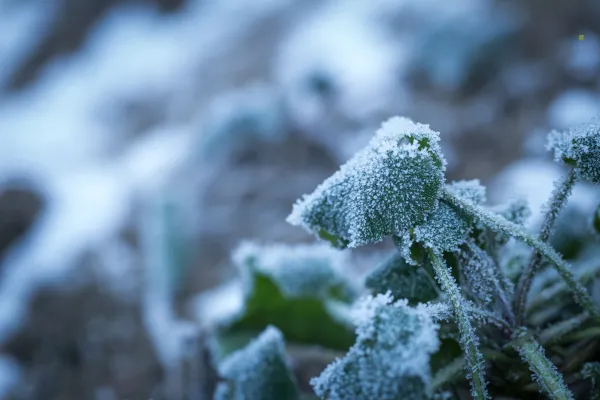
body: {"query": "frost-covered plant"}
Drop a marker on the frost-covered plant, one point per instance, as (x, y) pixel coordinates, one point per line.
(459, 294)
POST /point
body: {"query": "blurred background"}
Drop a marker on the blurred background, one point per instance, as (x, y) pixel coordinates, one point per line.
(142, 140)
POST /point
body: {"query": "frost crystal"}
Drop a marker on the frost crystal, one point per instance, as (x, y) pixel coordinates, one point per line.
(579, 147)
(447, 228)
(390, 359)
(258, 371)
(403, 280)
(305, 270)
(385, 189)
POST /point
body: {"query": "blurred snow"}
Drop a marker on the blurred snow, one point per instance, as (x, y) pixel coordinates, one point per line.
(24, 24)
(582, 57)
(533, 180)
(572, 108)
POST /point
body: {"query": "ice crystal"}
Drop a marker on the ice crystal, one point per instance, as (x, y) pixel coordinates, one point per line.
(403, 280)
(385, 189)
(391, 356)
(258, 371)
(580, 148)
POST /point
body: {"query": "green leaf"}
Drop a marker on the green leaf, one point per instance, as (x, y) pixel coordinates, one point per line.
(385, 189)
(544, 372)
(403, 280)
(391, 356)
(258, 371)
(298, 289)
(579, 147)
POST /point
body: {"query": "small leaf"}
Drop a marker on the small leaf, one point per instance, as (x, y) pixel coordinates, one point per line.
(385, 189)
(579, 147)
(447, 227)
(391, 356)
(258, 371)
(485, 279)
(298, 289)
(403, 280)
(544, 372)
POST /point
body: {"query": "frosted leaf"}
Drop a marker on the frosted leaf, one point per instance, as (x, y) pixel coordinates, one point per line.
(295, 288)
(390, 359)
(303, 270)
(258, 371)
(385, 189)
(485, 278)
(404, 281)
(579, 147)
(447, 228)
(476, 269)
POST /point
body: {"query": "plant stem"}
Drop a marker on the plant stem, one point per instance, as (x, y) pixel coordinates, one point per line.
(500, 224)
(548, 377)
(556, 203)
(469, 341)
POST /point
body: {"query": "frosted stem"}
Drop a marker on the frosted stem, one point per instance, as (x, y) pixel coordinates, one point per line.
(468, 339)
(500, 224)
(556, 203)
(544, 372)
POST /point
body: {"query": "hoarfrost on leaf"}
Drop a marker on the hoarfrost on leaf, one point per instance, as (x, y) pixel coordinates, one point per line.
(447, 227)
(403, 280)
(299, 289)
(303, 270)
(386, 189)
(580, 148)
(391, 357)
(258, 371)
